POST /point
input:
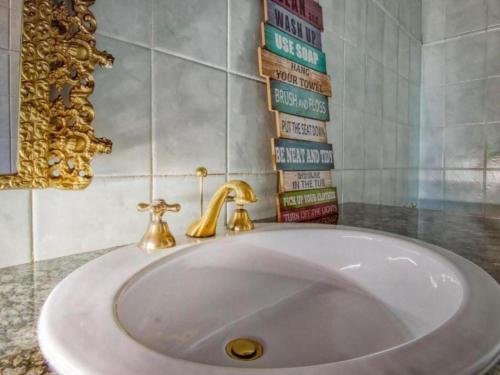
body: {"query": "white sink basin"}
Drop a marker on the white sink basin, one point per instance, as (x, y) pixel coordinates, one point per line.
(319, 300)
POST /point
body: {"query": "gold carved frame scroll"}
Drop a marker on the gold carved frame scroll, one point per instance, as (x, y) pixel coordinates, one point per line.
(56, 141)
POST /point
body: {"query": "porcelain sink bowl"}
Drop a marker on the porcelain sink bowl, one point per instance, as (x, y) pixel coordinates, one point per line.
(319, 300)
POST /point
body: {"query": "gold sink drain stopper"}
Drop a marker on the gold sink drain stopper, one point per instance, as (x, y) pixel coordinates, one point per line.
(244, 349)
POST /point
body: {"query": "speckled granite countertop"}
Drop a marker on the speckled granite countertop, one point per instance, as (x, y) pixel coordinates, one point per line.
(23, 289)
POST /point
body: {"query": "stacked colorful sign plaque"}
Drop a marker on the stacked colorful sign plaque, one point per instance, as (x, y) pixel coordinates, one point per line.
(298, 87)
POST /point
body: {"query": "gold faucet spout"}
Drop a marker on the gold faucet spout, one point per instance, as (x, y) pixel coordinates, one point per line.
(206, 226)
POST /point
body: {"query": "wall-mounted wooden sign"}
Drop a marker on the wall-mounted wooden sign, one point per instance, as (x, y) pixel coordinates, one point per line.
(291, 60)
(300, 128)
(306, 198)
(308, 10)
(330, 219)
(308, 213)
(284, 20)
(281, 69)
(295, 101)
(291, 155)
(307, 180)
(292, 48)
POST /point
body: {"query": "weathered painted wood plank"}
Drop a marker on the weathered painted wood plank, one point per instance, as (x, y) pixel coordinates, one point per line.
(284, 70)
(307, 180)
(308, 10)
(292, 48)
(300, 128)
(330, 219)
(291, 155)
(286, 21)
(308, 214)
(298, 102)
(305, 198)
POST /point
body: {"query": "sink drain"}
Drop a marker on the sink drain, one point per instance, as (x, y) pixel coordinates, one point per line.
(244, 349)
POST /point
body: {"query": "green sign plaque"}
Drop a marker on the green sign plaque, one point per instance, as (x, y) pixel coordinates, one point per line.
(293, 49)
(299, 102)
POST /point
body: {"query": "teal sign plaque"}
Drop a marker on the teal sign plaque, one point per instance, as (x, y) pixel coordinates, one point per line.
(293, 49)
(291, 155)
(299, 102)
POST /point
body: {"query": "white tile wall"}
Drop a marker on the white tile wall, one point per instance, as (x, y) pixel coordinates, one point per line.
(192, 29)
(493, 53)
(4, 26)
(388, 193)
(433, 20)
(492, 206)
(466, 58)
(102, 216)
(122, 101)
(493, 12)
(16, 227)
(336, 135)
(460, 110)
(464, 146)
(493, 145)
(431, 189)
(464, 191)
(185, 92)
(189, 115)
(372, 178)
(250, 124)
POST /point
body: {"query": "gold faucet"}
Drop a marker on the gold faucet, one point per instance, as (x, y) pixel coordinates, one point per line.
(206, 226)
(158, 234)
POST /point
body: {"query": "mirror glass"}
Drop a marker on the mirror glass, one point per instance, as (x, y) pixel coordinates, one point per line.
(9, 91)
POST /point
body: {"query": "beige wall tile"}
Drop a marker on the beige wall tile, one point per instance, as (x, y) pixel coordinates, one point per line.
(102, 216)
(122, 101)
(15, 227)
(4, 27)
(193, 29)
(127, 20)
(189, 116)
(251, 126)
(15, 28)
(245, 35)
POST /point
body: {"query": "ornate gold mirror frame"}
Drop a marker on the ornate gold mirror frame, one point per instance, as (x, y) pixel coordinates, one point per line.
(56, 141)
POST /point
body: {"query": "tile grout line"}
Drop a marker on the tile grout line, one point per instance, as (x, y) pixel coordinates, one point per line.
(33, 226)
(265, 173)
(462, 36)
(398, 76)
(381, 156)
(382, 124)
(228, 95)
(365, 94)
(364, 51)
(152, 188)
(485, 171)
(443, 156)
(9, 24)
(484, 133)
(343, 109)
(472, 80)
